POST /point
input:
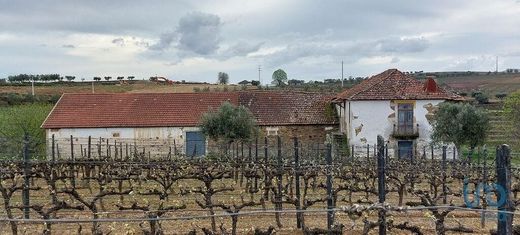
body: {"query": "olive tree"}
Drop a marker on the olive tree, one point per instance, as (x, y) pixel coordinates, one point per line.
(229, 123)
(461, 124)
(279, 77)
(223, 78)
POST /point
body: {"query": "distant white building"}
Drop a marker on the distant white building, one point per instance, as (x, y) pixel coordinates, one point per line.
(393, 105)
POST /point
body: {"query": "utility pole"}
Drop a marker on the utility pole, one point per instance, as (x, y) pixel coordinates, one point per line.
(342, 78)
(32, 87)
(259, 78)
(92, 87)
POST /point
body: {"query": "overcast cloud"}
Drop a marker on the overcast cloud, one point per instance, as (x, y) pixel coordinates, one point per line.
(194, 40)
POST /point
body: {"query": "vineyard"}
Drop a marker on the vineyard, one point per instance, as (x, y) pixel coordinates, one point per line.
(287, 191)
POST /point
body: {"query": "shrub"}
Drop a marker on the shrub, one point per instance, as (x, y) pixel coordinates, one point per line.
(206, 89)
(196, 89)
(501, 95)
(481, 98)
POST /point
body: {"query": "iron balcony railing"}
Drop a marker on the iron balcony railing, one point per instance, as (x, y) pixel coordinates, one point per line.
(405, 131)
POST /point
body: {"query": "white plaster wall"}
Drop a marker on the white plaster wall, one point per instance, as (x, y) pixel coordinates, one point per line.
(156, 140)
(367, 119)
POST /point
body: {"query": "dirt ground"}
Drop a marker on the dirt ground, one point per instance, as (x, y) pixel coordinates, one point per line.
(246, 223)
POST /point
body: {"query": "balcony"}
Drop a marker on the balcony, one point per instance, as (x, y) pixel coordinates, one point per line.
(405, 131)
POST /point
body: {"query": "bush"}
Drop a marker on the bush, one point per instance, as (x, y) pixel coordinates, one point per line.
(475, 93)
(196, 89)
(481, 98)
(206, 89)
(501, 95)
(463, 93)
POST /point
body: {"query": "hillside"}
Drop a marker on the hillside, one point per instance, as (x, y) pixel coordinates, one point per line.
(489, 83)
(110, 87)
(500, 132)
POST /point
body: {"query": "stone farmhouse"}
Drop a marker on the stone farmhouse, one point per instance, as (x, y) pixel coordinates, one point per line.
(162, 120)
(394, 105)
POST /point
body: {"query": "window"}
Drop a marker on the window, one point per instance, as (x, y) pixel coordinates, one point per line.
(195, 144)
(272, 131)
(405, 118)
(405, 149)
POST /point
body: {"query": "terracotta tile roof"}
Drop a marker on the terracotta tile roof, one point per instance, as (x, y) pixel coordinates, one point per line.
(184, 109)
(392, 84)
(288, 107)
(134, 110)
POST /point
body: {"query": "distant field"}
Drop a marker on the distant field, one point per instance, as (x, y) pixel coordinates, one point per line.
(490, 84)
(99, 87)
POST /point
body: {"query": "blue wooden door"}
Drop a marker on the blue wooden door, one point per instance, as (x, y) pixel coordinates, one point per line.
(405, 149)
(195, 144)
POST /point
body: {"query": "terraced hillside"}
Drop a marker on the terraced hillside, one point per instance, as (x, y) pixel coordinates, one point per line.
(501, 126)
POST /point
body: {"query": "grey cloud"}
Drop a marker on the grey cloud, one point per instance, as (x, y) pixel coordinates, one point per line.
(199, 33)
(164, 42)
(395, 60)
(349, 51)
(241, 48)
(68, 46)
(407, 45)
(485, 62)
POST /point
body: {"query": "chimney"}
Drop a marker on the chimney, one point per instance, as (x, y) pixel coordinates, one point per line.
(430, 86)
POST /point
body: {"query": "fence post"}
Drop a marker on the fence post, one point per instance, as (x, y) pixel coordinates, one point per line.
(279, 181)
(387, 158)
(72, 166)
(503, 171)
(266, 167)
(299, 214)
(432, 152)
(256, 162)
(381, 182)
(444, 189)
(89, 146)
(26, 172)
(330, 203)
(485, 182)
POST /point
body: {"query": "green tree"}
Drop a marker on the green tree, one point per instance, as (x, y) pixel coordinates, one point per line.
(512, 110)
(229, 123)
(70, 78)
(97, 78)
(279, 77)
(108, 78)
(223, 78)
(18, 121)
(461, 124)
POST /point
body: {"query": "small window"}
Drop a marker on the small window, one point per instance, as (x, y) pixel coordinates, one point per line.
(115, 134)
(272, 131)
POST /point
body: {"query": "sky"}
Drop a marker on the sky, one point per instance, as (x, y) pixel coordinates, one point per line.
(194, 40)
